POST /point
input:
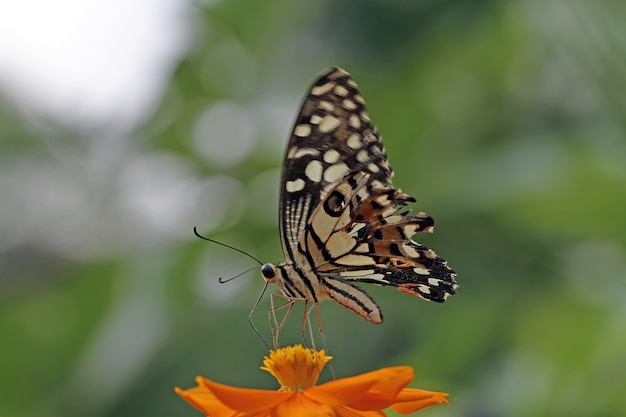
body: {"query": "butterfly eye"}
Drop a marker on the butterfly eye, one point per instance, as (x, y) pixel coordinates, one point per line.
(334, 204)
(269, 273)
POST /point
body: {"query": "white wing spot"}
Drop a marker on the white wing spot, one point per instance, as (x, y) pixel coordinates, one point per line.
(390, 219)
(355, 122)
(410, 250)
(424, 289)
(328, 124)
(349, 104)
(358, 98)
(315, 119)
(302, 131)
(331, 156)
(365, 117)
(434, 282)
(340, 90)
(314, 170)
(321, 89)
(421, 271)
(354, 141)
(305, 151)
(295, 185)
(351, 83)
(363, 155)
(410, 230)
(335, 172)
(373, 167)
(368, 273)
(378, 277)
(326, 106)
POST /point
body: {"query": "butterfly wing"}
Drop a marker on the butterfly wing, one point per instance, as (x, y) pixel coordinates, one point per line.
(332, 137)
(384, 234)
(357, 234)
(339, 219)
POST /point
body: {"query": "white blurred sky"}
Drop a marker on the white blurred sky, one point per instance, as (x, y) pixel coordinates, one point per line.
(91, 63)
(100, 68)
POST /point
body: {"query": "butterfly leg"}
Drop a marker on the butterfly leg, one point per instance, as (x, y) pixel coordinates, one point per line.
(251, 317)
(306, 323)
(320, 329)
(275, 326)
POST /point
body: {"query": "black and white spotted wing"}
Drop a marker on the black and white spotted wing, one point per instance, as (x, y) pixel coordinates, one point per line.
(339, 218)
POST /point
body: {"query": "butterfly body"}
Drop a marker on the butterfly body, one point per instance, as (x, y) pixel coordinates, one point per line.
(339, 214)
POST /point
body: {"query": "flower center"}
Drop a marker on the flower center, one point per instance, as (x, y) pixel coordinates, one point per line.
(295, 367)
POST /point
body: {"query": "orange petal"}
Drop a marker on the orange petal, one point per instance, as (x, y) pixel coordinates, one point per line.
(370, 391)
(410, 400)
(245, 400)
(351, 412)
(301, 406)
(205, 402)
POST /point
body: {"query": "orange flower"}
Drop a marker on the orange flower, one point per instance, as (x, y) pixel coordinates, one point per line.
(297, 370)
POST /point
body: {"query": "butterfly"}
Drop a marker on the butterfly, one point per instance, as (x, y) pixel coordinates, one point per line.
(341, 220)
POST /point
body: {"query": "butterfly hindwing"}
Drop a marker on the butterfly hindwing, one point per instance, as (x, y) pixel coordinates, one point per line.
(365, 239)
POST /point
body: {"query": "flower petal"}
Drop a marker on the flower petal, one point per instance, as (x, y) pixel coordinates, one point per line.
(344, 411)
(205, 402)
(246, 400)
(301, 406)
(411, 399)
(370, 391)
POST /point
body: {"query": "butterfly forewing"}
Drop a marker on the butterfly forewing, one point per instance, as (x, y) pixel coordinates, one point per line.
(332, 137)
(340, 218)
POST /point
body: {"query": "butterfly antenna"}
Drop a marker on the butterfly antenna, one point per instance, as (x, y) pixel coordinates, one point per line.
(221, 281)
(195, 231)
(224, 281)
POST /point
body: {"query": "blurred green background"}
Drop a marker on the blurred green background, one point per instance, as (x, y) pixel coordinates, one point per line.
(506, 120)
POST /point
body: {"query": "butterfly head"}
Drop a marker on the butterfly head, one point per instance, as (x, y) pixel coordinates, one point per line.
(269, 273)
